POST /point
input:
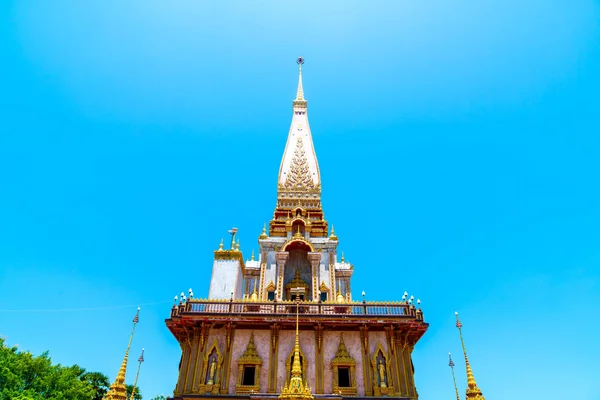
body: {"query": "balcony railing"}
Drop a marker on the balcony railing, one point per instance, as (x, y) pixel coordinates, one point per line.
(283, 308)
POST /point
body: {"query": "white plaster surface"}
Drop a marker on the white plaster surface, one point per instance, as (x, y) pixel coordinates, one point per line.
(226, 278)
(331, 342)
(263, 346)
(299, 129)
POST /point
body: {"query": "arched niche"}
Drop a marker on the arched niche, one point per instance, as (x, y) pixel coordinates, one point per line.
(381, 363)
(211, 370)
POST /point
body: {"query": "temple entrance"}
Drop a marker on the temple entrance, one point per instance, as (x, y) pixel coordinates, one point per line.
(298, 273)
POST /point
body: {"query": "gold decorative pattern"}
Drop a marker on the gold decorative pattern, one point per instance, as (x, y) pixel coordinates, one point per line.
(387, 386)
(207, 384)
(118, 390)
(296, 389)
(473, 391)
(299, 177)
(343, 359)
(250, 358)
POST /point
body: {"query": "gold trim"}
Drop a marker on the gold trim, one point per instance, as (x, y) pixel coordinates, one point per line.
(248, 359)
(343, 359)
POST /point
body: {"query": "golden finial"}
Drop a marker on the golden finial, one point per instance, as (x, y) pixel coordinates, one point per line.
(298, 234)
(340, 296)
(252, 258)
(451, 365)
(473, 392)
(263, 235)
(140, 361)
(221, 245)
(118, 390)
(254, 295)
(342, 256)
(333, 236)
(237, 245)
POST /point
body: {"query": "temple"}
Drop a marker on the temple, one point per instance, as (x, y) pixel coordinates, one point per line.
(285, 324)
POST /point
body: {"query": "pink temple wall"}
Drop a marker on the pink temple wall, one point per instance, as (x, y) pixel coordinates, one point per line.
(286, 345)
(331, 342)
(374, 339)
(263, 346)
(218, 334)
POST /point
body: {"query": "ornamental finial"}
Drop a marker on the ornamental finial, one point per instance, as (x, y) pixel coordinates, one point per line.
(118, 390)
(300, 92)
(263, 235)
(473, 392)
(451, 365)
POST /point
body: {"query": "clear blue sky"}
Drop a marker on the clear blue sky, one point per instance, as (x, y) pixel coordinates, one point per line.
(458, 143)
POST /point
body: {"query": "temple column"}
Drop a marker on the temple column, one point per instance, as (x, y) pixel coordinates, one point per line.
(185, 344)
(226, 370)
(390, 334)
(193, 360)
(319, 360)
(204, 331)
(315, 261)
(272, 381)
(281, 258)
(412, 390)
(366, 358)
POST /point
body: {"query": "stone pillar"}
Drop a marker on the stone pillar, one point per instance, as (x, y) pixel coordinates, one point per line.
(315, 260)
(273, 356)
(281, 258)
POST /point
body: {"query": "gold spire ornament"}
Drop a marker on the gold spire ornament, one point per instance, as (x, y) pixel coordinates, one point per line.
(263, 235)
(296, 389)
(118, 390)
(254, 295)
(473, 392)
(451, 365)
(140, 361)
(333, 236)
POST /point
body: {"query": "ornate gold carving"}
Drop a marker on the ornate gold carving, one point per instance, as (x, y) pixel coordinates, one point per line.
(211, 370)
(343, 359)
(297, 389)
(299, 177)
(250, 358)
(270, 287)
(383, 385)
(297, 282)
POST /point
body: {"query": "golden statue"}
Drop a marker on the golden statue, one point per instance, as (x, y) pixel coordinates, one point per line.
(211, 372)
(381, 369)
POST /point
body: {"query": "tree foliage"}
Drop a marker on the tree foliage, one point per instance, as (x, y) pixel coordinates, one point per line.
(24, 376)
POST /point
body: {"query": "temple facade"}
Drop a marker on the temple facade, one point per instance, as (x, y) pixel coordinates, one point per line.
(285, 323)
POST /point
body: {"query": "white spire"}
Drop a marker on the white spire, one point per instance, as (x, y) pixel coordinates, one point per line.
(300, 92)
(299, 170)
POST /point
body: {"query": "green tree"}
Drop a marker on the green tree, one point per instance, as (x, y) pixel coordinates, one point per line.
(160, 397)
(99, 383)
(137, 395)
(24, 376)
